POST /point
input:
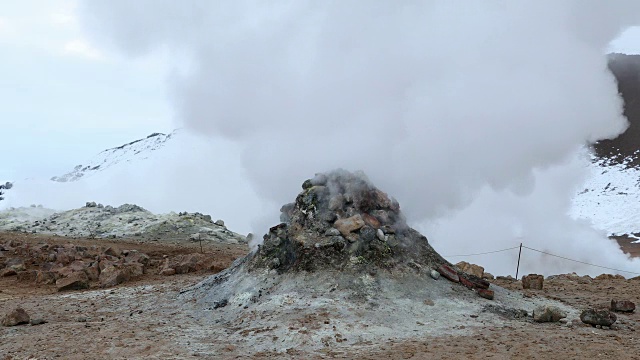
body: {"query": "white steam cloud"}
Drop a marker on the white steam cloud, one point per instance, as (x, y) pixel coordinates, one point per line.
(447, 105)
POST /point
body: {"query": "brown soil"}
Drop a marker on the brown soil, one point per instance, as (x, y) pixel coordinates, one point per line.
(140, 320)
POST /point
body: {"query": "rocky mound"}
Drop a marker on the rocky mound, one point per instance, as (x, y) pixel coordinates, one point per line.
(344, 268)
(340, 221)
(128, 221)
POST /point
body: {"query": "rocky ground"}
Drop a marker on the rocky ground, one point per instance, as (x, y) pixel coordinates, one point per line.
(148, 318)
(341, 277)
(125, 221)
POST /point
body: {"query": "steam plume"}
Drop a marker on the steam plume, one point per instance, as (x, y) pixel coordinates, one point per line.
(441, 103)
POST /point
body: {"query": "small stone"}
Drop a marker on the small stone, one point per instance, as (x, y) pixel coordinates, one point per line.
(35, 322)
(434, 274)
(595, 317)
(380, 235)
(17, 317)
(168, 272)
(485, 293)
(428, 302)
(332, 232)
(622, 306)
(547, 313)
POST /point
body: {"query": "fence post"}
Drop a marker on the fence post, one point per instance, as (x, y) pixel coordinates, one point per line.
(518, 268)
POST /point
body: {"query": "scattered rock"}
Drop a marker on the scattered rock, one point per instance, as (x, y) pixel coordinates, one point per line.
(622, 306)
(8, 272)
(27, 276)
(35, 322)
(428, 302)
(547, 313)
(219, 222)
(449, 273)
(168, 271)
(609, 277)
(17, 317)
(471, 269)
(434, 274)
(346, 226)
(485, 293)
(595, 317)
(75, 281)
(488, 276)
(91, 204)
(532, 281)
(113, 251)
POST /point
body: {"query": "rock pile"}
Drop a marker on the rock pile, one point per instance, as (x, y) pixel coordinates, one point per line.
(72, 267)
(128, 220)
(340, 221)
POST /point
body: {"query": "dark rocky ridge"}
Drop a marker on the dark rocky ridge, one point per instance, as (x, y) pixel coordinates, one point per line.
(342, 222)
(626, 69)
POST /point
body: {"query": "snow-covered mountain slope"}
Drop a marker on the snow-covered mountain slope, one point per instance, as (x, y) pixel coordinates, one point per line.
(134, 151)
(611, 197)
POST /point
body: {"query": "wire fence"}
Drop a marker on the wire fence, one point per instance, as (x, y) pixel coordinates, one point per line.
(522, 246)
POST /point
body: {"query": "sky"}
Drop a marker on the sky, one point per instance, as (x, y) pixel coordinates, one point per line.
(64, 98)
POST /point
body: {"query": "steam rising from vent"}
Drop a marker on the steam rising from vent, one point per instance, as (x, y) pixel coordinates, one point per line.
(439, 102)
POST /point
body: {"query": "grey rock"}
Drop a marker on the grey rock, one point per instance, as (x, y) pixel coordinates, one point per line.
(547, 313)
(332, 232)
(35, 322)
(595, 317)
(219, 222)
(380, 235)
(434, 274)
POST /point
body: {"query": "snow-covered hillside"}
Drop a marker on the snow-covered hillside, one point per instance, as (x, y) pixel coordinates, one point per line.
(134, 151)
(610, 198)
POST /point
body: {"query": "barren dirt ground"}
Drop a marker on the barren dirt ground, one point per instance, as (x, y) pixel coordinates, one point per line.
(140, 319)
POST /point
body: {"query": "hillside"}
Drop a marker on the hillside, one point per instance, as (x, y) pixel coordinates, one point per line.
(137, 150)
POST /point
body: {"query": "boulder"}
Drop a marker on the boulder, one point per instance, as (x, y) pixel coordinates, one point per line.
(137, 257)
(46, 277)
(17, 317)
(547, 313)
(27, 276)
(449, 273)
(113, 251)
(471, 269)
(75, 281)
(533, 281)
(219, 222)
(348, 225)
(114, 275)
(183, 264)
(16, 264)
(168, 271)
(595, 317)
(622, 306)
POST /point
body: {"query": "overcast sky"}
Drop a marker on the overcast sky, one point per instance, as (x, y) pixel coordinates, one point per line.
(64, 99)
